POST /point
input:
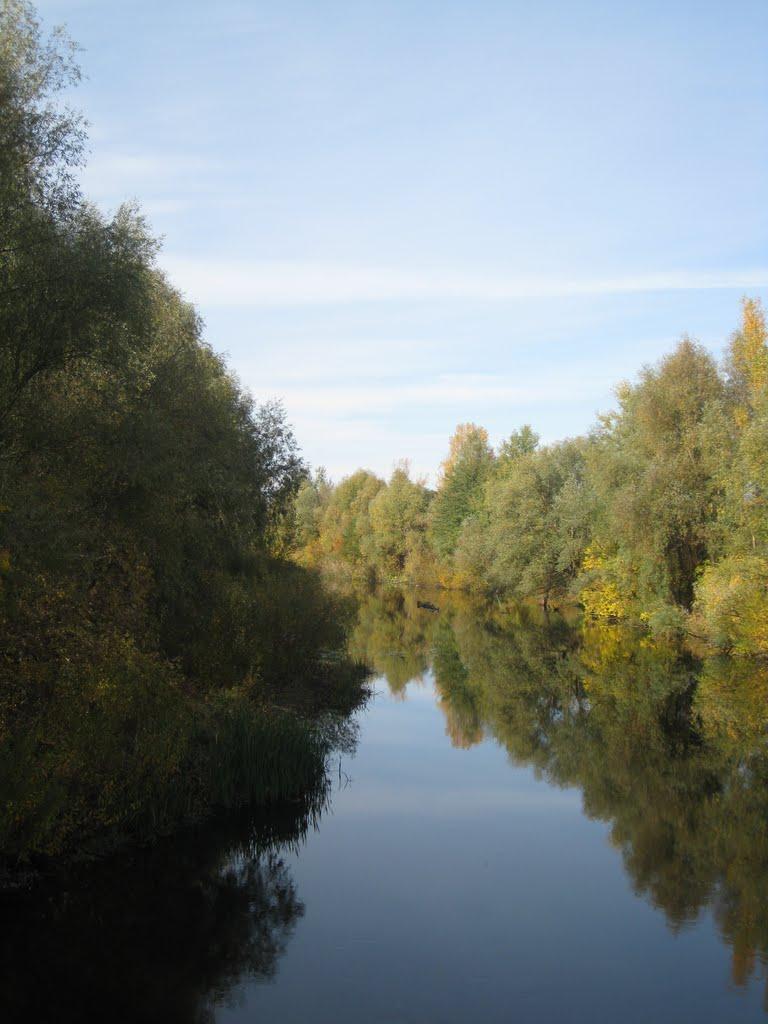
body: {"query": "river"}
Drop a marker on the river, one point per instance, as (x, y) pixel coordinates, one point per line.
(538, 823)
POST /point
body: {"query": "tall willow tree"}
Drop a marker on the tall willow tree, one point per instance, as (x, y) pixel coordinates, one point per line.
(533, 552)
(398, 517)
(527, 536)
(345, 529)
(463, 475)
(654, 472)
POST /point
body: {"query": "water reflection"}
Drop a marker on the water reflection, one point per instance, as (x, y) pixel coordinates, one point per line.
(668, 749)
(424, 872)
(165, 934)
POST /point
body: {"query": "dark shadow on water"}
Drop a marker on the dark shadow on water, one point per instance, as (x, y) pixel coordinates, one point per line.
(161, 934)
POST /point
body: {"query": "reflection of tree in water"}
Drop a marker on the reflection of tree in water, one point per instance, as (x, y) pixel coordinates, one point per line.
(455, 697)
(667, 749)
(392, 637)
(171, 929)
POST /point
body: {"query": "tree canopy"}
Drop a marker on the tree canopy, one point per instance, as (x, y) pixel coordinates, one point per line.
(658, 515)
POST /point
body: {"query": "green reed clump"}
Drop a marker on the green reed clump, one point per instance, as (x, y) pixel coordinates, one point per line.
(256, 756)
(237, 754)
(123, 752)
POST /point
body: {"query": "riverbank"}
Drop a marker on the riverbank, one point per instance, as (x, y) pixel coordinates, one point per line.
(116, 751)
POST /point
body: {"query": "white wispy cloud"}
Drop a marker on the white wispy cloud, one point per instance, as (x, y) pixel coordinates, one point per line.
(463, 390)
(365, 359)
(286, 283)
(111, 178)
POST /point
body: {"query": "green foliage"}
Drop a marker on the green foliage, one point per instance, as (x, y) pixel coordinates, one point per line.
(535, 548)
(747, 359)
(149, 630)
(653, 471)
(398, 519)
(309, 506)
(520, 442)
(732, 599)
(464, 473)
(732, 592)
(647, 515)
(345, 529)
(371, 529)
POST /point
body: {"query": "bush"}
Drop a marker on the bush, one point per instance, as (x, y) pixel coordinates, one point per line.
(732, 602)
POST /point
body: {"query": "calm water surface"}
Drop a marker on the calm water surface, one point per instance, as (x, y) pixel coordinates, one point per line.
(539, 825)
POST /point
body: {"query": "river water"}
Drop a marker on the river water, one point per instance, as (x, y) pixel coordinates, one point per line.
(539, 824)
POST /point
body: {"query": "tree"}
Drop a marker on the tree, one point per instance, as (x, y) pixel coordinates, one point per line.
(346, 532)
(731, 593)
(398, 516)
(312, 498)
(747, 357)
(534, 550)
(464, 472)
(524, 441)
(653, 469)
(72, 284)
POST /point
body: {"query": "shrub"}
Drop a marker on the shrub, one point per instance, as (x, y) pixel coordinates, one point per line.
(732, 601)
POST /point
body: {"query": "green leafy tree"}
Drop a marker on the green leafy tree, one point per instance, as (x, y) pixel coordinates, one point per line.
(463, 475)
(312, 498)
(534, 551)
(398, 517)
(346, 533)
(653, 469)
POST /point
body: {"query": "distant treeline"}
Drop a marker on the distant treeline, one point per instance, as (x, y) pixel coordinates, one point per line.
(659, 514)
(156, 657)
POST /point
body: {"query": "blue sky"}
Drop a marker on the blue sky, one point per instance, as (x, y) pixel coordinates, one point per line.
(404, 214)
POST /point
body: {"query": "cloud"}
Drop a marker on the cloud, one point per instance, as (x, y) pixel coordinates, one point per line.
(465, 390)
(115, 177)
(285, 283)
(358, 360)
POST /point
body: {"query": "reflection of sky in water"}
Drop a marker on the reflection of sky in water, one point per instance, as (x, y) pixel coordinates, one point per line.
(450, 885)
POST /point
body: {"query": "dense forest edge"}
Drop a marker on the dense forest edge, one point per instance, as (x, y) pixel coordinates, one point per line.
(657, 517)
(160, 657)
